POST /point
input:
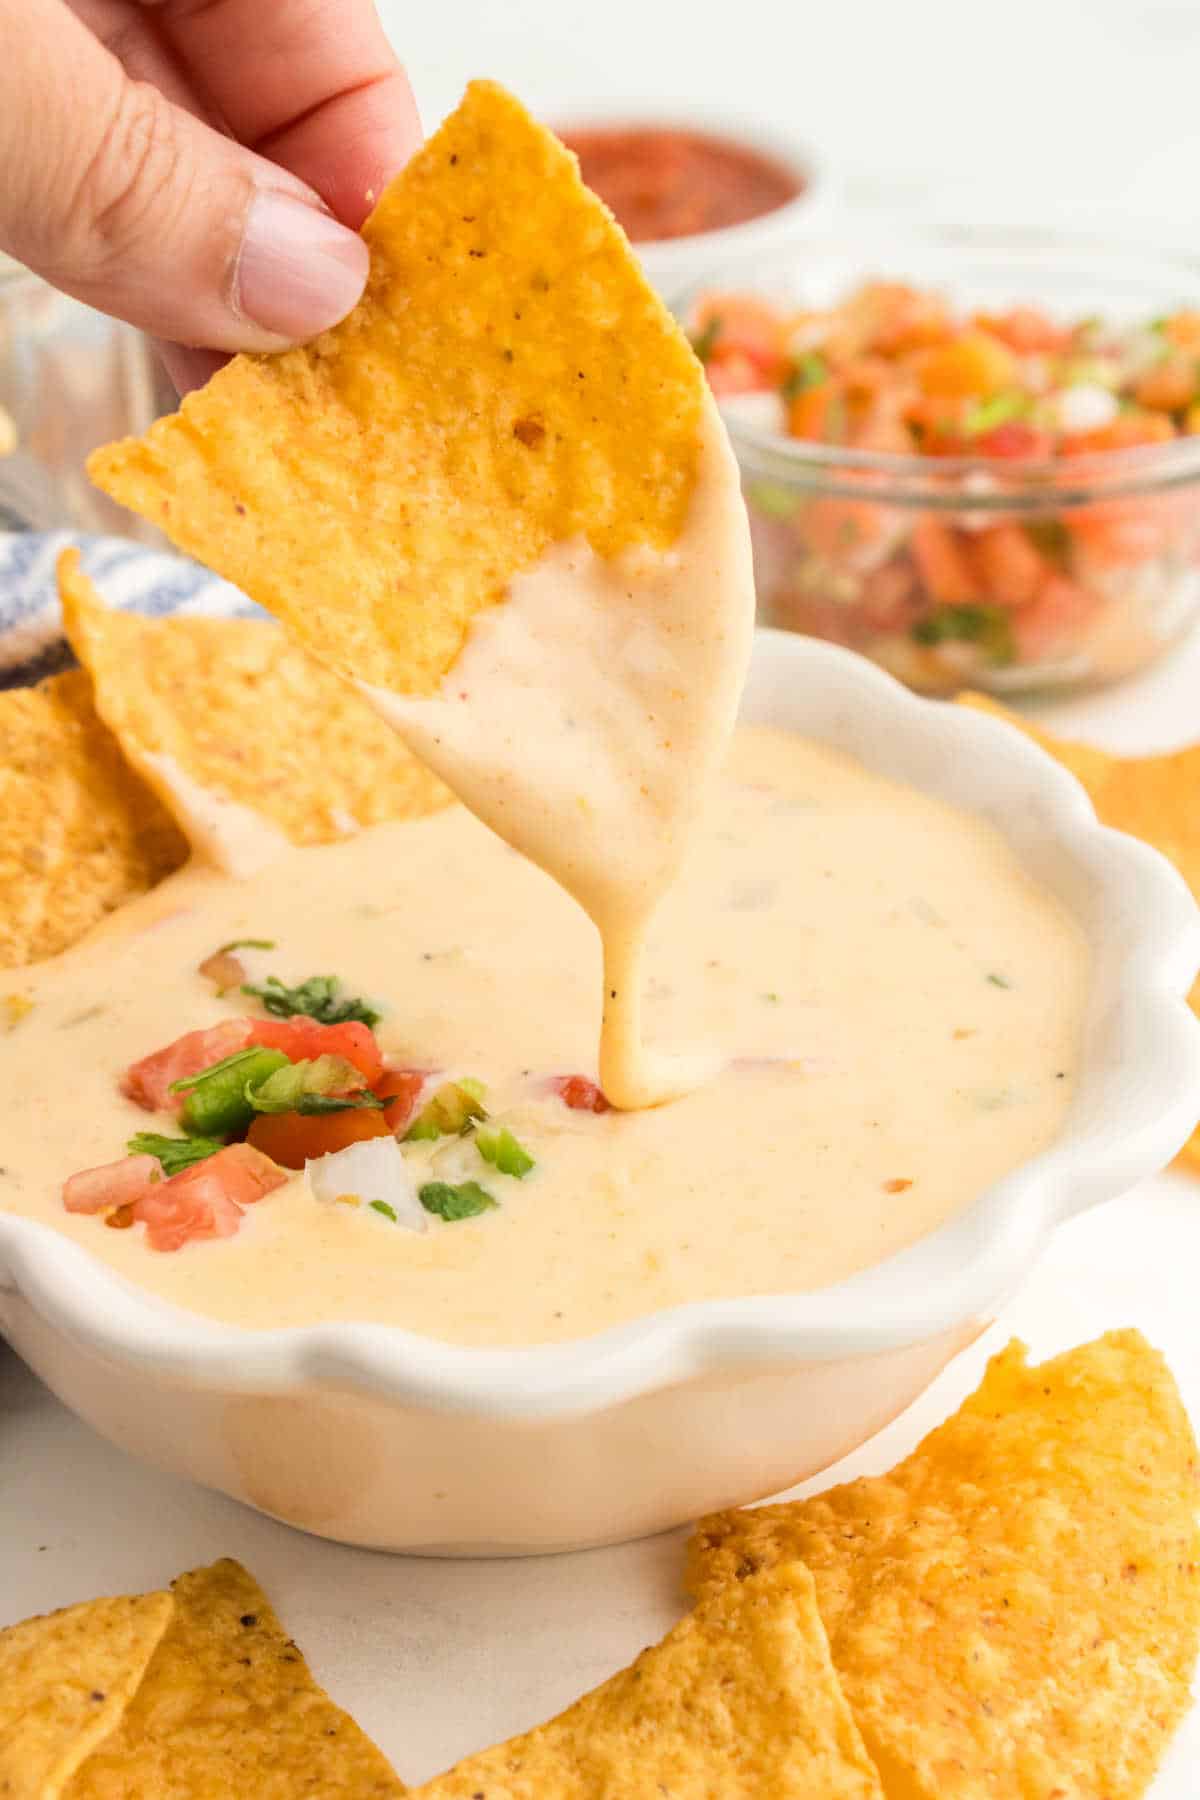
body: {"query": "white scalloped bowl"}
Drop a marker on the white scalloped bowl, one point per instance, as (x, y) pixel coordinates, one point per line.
(375, 1436)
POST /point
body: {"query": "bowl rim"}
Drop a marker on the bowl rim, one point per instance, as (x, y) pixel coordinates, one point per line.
(780, 144)
(953, 1277)
(1053, 483)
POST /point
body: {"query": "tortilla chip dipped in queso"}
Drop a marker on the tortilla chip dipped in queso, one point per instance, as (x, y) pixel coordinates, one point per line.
(500, 484)
(356, 1077)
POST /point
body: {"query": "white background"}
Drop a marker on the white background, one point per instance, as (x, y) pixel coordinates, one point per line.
(1084, 113)
(1064, 112)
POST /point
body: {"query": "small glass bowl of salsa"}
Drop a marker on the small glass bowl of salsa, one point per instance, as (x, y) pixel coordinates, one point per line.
(693, 192)
(974, 459)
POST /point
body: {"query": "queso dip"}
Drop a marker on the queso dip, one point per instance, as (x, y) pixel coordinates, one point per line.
(894, 1007)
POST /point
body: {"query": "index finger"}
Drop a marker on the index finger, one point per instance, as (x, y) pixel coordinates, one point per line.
(312, 84)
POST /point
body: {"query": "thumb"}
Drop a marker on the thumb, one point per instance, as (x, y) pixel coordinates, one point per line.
(140, 209)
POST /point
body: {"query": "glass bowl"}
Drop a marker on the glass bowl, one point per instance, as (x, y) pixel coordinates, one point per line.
(1083, 568)
(70, 380)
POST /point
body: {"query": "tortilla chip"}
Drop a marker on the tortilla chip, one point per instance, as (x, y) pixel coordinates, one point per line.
(245, 715)
(1015, 1608)
(738, 1700)
(82, 832)
(1155, 798)
(228, 1708)
(508, 381)
(65, 1681)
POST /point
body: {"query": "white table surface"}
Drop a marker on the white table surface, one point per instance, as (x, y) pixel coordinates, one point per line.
(438, 1658)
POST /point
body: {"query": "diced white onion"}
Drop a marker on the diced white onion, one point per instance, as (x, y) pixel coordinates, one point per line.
(372, 1169)
(1087, 407)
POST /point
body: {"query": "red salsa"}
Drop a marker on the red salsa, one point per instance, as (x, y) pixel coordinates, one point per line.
(665, 183)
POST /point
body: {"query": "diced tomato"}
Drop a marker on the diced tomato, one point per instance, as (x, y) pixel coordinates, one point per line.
(901, 318)
(112, 1184)
(292, 1139)
(1169, 386)
(1016, 440)
(939, 422)
(973, 365)
(580, 1094)
(1025, 330)
(812, 412)
(734, 374)
(1009, 567)
(946, 574)
(304, 1039)
(747, 327)
(1122, 531)
(888, 600)
(206, 1200)
(838, 528)
(148, 1082)
(402, 1089)
(1183, 330)
(1128, 431)
(1047, 627)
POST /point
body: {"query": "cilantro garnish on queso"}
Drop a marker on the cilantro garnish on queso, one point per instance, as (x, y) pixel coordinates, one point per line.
(359, 1081)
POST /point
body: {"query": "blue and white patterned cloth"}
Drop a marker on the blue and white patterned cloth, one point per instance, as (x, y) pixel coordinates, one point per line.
(31, 638)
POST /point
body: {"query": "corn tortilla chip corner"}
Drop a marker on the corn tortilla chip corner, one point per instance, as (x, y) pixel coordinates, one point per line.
(508, 381)
(228, 1707)
(65, 1681)
(1017, 1606)
(237, 710)
(738, 1701)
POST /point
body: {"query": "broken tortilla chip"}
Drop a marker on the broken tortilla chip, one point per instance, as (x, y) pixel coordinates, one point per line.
(82, 832)
(231, 708)
(65, 1680)
(1155, 798)
(738, 1700)
(1015, 1608)
(228, 1707)
(508, 381)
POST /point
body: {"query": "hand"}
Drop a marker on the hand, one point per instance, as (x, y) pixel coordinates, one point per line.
(198, 167)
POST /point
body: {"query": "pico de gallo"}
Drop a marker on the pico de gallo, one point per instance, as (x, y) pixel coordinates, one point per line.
(931, 582)
(247, 1103)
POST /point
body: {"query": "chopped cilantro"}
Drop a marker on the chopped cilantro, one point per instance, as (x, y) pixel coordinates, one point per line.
(245, 944)
(808, 371)
(318, 997)
(1000, 981)
(381, 1206)
(705, 342)
(227, 1062)
(988, 626)
(502, 1149)
(452, 1203)
(172, 1152)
